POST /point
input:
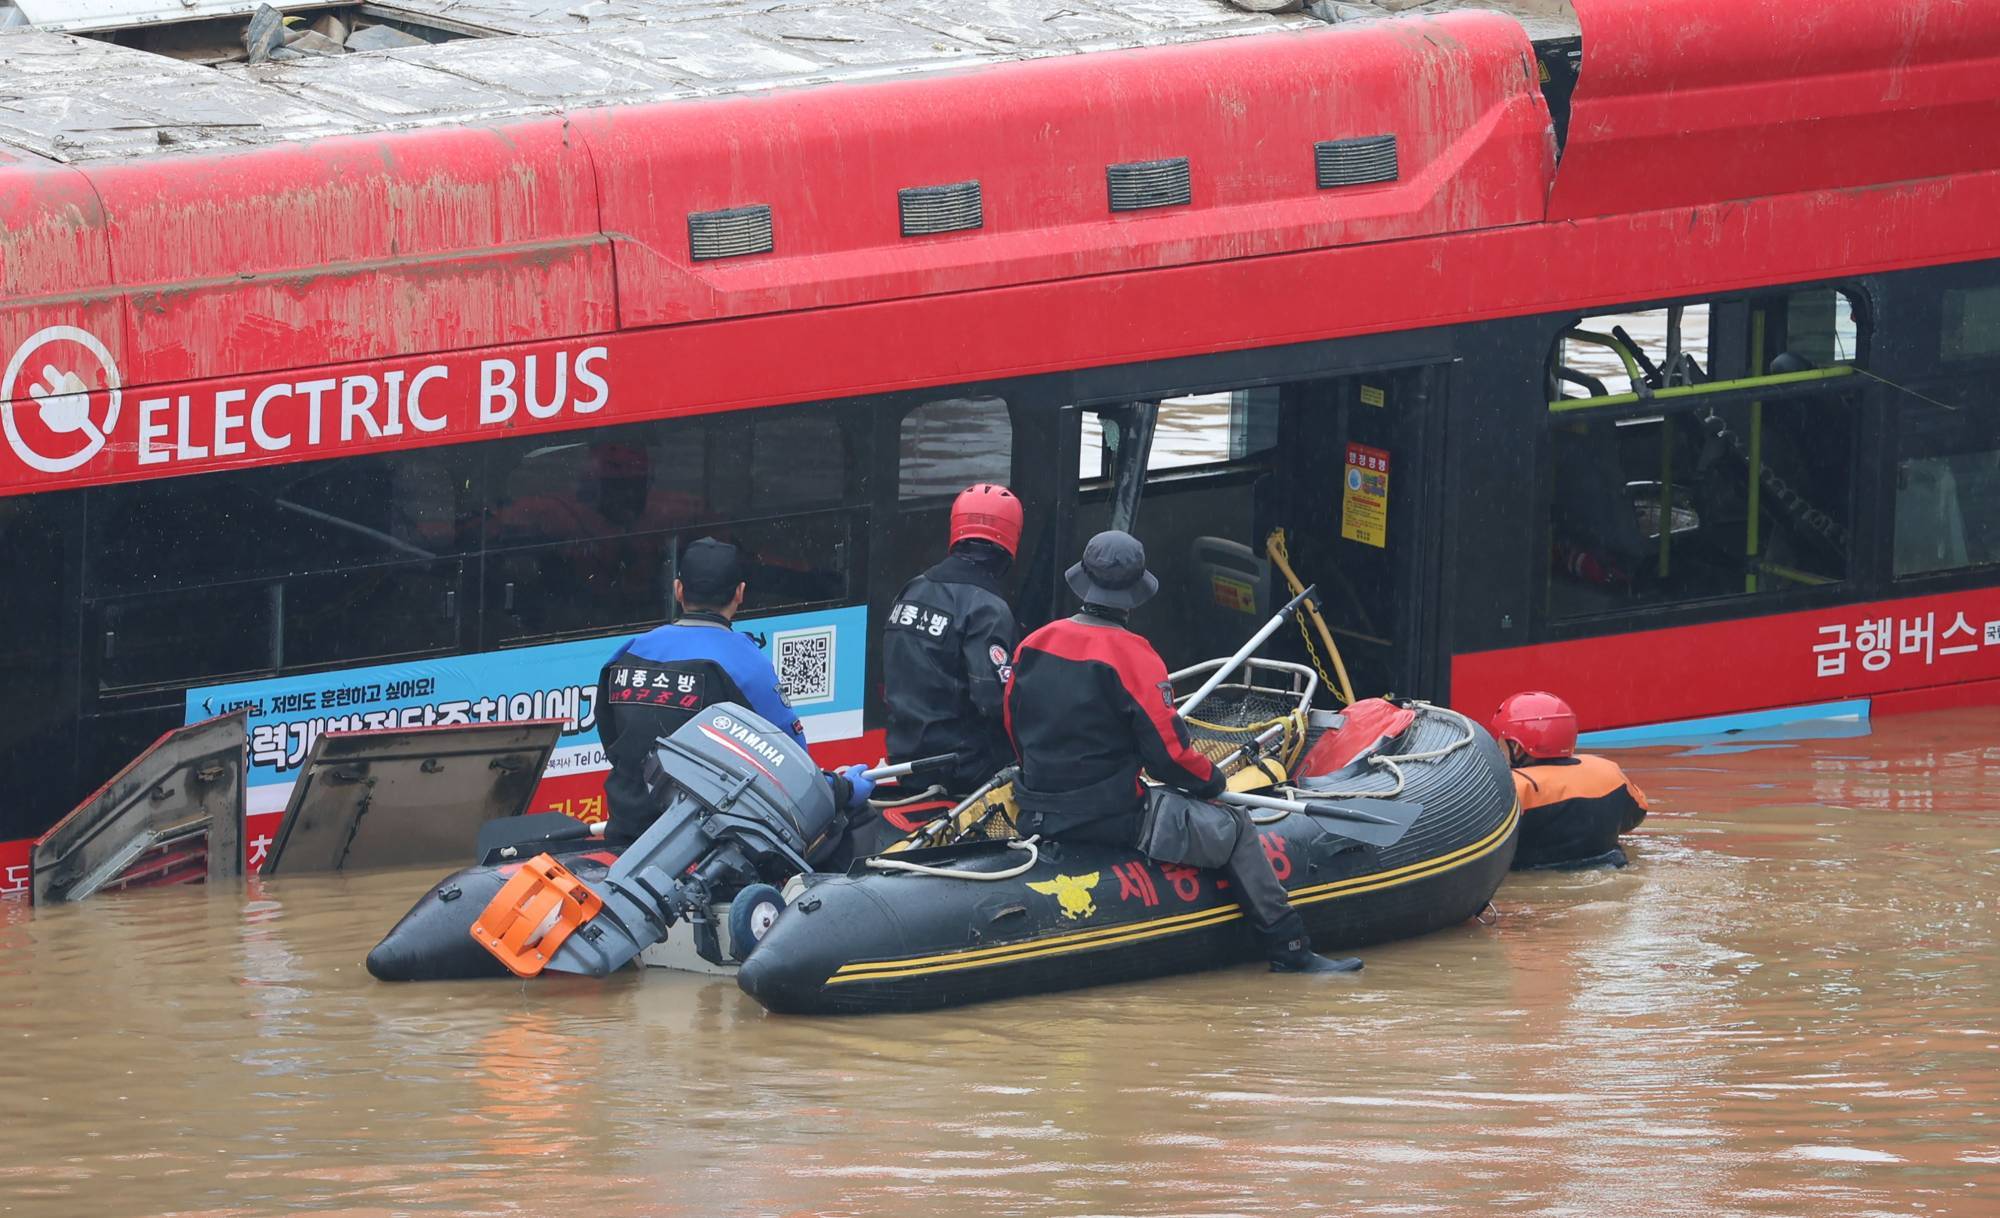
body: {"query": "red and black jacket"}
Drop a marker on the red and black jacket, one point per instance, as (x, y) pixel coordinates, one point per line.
(1088, 706)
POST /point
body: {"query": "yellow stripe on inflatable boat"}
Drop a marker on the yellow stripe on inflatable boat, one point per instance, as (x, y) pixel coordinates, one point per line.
(1105, 936)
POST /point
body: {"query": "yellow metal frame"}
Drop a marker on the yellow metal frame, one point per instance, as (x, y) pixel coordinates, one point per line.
(1274, 547)
(1678, 393)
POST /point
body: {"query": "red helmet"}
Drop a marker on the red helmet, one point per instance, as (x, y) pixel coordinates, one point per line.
(989, 511)
(1540, 725)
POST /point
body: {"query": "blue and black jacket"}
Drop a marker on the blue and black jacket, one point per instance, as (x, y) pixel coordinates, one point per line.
(660, 680)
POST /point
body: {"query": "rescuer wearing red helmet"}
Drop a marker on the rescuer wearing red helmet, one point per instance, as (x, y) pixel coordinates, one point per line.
(948, 646)
(1573, 805)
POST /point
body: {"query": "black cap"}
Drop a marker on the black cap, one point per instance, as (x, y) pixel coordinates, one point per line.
(709, 572)
(1113, 572)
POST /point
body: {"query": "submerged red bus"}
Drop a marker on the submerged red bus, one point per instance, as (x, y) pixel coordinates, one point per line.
(1655, 365)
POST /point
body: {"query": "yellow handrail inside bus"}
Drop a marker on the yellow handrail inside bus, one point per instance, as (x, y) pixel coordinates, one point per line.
(1666, 499)
(1755, 493)
(1674, 392)
(1274, 546)
(1795, 575)
(1619, 349)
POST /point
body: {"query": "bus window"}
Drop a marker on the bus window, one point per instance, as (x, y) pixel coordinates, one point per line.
(608, 483)
(950, 444)
(404, 608)
(227, 574)
(798, 460)
(1702, 342)
(943, 446)
(1189, 431)
(178, 637)
(1970, 323)
(1701, 450)
(37, 713)
(1948, 479)
(581, 526)
(1733, 496)
(583, 530)
(279, 520)
(794, 562)
(570, 588)
(1615, 352)
(1180, 473)
(1820, 328)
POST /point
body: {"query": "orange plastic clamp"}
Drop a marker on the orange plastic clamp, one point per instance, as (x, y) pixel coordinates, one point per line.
(528, 919)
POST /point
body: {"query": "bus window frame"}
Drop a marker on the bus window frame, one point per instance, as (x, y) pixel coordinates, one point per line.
(1925, 394)
(1881, 317)
(1787, 595)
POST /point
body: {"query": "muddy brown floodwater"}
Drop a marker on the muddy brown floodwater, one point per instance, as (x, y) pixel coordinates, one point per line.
(1789, 1005)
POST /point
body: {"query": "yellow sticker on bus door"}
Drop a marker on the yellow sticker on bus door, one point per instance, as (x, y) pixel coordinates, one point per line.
(1232, 593)
(1364, 496)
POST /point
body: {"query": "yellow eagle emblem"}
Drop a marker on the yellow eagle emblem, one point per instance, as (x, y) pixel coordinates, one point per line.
(1072, 892)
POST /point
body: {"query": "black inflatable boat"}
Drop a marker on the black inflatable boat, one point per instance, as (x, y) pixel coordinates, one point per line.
(935, 925)
(899, 940)
(433, 942)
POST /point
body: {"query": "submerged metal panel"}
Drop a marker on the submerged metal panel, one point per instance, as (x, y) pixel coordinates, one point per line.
(187, 790)
(415, 796)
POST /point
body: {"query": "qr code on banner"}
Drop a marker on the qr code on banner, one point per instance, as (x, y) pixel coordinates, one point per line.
(804, 660)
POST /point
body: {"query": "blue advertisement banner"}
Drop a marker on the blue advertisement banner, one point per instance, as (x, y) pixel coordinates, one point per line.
(820, 657)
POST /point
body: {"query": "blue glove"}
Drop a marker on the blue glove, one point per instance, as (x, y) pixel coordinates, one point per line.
(854, 783)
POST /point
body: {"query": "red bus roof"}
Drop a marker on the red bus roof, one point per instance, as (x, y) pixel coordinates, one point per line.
(265, 259)
(355, 247)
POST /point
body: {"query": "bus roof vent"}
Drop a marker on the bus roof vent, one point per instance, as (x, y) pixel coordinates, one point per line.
(941, 209)
(1138, 185)
(732, 232)
(1372, 158)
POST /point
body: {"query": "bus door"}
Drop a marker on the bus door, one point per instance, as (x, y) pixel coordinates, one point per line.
(1204, 476)
(1180, 471)
(1357, 499)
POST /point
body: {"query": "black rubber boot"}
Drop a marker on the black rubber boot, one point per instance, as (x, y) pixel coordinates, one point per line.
(1297, 956)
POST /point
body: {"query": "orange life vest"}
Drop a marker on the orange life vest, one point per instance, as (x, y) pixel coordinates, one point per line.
(1590, 777)
(1573, 811)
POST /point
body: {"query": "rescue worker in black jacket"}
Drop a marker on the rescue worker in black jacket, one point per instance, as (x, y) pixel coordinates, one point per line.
(1089, 706)
(949, 646)
(658, 681)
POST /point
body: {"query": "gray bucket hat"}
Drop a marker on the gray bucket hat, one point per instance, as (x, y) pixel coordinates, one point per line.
(1113, 572)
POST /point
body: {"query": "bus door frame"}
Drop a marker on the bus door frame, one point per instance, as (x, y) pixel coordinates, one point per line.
(1419, 663)
(1420, 526)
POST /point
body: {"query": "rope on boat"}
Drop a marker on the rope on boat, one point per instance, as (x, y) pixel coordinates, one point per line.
(892, 863)
(1392, 764)
(927, 795)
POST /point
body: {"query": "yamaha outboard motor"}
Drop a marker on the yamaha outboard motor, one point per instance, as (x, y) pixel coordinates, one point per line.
(741, 794)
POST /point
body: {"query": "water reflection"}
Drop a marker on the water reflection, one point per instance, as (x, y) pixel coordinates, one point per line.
(1788, 1006)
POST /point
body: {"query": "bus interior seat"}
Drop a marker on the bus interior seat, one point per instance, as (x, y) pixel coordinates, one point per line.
(1592, 508)
(1233, 589)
